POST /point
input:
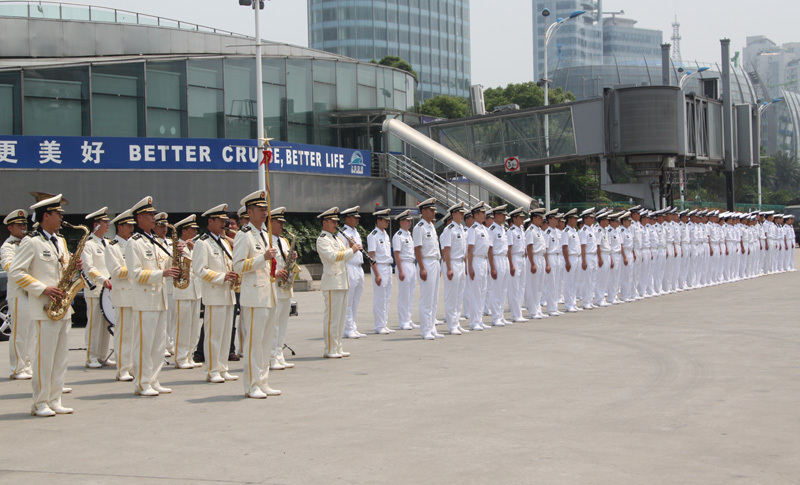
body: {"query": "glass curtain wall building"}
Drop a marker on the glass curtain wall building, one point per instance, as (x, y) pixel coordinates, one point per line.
(580, 39)
(432, 35)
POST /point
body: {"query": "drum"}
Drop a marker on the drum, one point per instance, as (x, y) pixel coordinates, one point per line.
(107, 309)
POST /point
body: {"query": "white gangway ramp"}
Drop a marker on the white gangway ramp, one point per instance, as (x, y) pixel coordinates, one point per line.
(458, 163)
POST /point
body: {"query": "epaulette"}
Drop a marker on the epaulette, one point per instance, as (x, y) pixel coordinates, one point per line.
(374, 231)
(204, 237)
(246, 228)
(113, 242)
(452, 225)
(34, 234)
(419, 224)
(322, 234)
(136, 236)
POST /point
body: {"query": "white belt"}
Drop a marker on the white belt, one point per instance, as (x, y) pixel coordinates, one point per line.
(436, 258)
(407, 260)
(479, 256)
(459, 260)
(387, 264)
(500, 254)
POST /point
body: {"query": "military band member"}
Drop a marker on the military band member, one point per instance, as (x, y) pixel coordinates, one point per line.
(253, 258)
(517, 278)
(454, 250)
(94, 265)
(334, 255)
(284, 295)
(148, 269)
(426, 251)
(212, 263)
(20, 341)
(160, 231)
(355, 270)
(403, 246)
(122, 294)
(479, 250)
(36, 268)
(379, 248)
(186, 300)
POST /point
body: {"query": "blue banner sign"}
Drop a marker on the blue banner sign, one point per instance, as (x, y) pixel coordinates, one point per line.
(91, 153)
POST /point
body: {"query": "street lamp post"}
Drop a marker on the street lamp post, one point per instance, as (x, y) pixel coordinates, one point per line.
(688, 75)
(549, 32)
(257, 6)
(761, 109)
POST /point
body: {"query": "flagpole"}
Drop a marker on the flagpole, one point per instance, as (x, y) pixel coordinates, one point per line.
(262, 169)
(264, 165)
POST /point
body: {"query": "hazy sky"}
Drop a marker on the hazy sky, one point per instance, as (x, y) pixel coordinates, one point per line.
(501, 29)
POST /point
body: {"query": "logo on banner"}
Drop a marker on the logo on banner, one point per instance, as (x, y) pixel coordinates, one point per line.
(357, 163)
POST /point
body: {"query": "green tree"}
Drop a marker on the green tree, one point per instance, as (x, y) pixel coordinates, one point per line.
(443, 106)
(397, 62)
(526, 95)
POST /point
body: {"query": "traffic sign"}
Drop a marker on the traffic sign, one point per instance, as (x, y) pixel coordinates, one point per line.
(512, 164)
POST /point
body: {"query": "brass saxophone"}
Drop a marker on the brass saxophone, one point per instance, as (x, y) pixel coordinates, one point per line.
(181, 262)
(291, 266)
(71, 281)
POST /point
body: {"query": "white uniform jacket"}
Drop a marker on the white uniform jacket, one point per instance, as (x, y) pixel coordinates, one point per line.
(213, 258)
(249, 259)
(146, 259)
(121, 288)
(334, 255)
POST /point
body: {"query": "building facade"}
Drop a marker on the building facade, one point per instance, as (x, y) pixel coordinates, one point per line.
(432, 35)
(621, 38)
(580, 40)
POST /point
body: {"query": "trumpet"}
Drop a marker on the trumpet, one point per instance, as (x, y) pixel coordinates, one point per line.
(363, 251)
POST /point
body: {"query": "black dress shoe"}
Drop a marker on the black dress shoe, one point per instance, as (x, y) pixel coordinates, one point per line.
(233, 358)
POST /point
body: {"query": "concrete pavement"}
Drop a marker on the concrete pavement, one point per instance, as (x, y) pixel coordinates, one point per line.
(696, 387)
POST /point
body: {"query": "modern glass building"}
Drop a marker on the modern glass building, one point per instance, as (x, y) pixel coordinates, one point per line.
(580, 40)
(432, 35)
(622, 38)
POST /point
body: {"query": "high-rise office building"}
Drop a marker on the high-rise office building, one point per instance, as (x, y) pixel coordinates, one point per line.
(623, 40)
(432, 35)
(580, 40)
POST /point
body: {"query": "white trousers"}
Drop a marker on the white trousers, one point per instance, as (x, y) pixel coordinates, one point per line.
(148, 348)
(685, 264)
(476, 288)
(588, 278)
(187, 330)
(429, 297)
(405, 293)
(96, 337)
(601, 282)
(626, 283)
(614, 277)
(171, 319)
(572, 280)
(534, 285)
(454, 292)
(21, 340)
(124, 331)
(258, 330)
(49, 362)
(282, 309)
(333, 317)
(516, 286)
(381, 295)
(552, 282)
(498, 287)
(639, 287)
(217, 329)
(355, 274)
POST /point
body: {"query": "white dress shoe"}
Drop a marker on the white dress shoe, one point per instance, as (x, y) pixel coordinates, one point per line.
(344, 354)
(429, 337)
(22, 376)
(257, 394)
(507, 322)
(351, 335)
(554, 314)
(197, 364)
(605, 303)
(149, 392)
(390, 330)
(462, 329)
(520, 320)
(109, 363)
(414, 325)
(93, 364)
(333, 356)
(288, 365)
(437, 335)
(229, 377)
(161, 389)
(476, 328)
(455, 331)
(185, 365)
(215, 379)
(275, 365)
(125, 378)
(59, 409)
(383, 331)
(66, 390)
(44, 412)
(360, 334)
(436, 321)
(498, 323)
(485, 326)
(272, 392)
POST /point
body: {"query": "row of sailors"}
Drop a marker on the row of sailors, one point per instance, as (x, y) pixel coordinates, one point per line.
(600, 258)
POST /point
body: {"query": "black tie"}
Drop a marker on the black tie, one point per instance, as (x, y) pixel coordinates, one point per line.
(104, 242)
(55, 243)
(280, 246)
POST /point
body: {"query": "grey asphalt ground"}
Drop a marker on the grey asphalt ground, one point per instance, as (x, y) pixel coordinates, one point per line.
(701, 386)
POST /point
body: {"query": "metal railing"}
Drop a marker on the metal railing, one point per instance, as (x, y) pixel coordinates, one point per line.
(90, 13)
(420, 179)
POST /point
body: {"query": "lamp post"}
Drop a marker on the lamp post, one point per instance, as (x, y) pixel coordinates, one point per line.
(257, 6)
(688, 75)
(549, 32)
(761, 109)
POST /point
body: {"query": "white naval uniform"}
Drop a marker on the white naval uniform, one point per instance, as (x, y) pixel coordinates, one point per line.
(212, 260)
(669, 251)
(638, 260)
(169, 288)
(626, 281)
(536, 246)
(20, 341)
(258, 304)
(355, 275)
(283, 303)
(334, 255)
(426, 239)
(571, 240)
(516, 283)
(685, 254)
(453, 237)
(96, 337)
(649, 247)
(38, 263)
(379, 243)
(615, 273)
(658, 246)
(478, 238)
(498, 285)
(147, 259)
(187, 316)
(403, 244)
(122, 299)
(552, 280)
(588, 278)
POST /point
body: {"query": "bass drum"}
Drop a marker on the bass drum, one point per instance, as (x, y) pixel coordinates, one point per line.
(107, 309)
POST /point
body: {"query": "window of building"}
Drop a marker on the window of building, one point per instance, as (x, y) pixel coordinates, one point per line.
(10, 105)
(56, 101)
(166, 99)
(118, 100)
(240, 98)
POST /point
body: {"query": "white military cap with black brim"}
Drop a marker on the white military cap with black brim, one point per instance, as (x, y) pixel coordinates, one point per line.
(406, 214)
(278, 214)
(518, 212)
(635, 208)
(625, 215)
(257, 199)
(332, 214)
(351, 212)
(587, 213)
(242, 212)
(144, 205)
(479, 207)
(98, 215)
(571, 213)
(500, 209)
(187, 222)
(217, 212)
(427, 204)
(551, 213)
(15, 216)
(162, 218)
(125, 217)
(539, 212)
(460, 207)
(382, 214)
(47, 205)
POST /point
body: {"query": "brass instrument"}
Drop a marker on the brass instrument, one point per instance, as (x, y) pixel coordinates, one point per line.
(72, 279)
(181, 262)
(363, 251)
(291, 266)
(236, 285)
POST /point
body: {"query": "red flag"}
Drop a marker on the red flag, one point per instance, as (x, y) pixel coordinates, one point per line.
(267, 158)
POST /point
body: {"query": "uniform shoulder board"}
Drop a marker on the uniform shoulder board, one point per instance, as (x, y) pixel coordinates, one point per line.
(246, 228)
(113, 242)
(34, 234)
(322, 234)
(136, 236)
(374, 232)
(204, 237)
(419, 224)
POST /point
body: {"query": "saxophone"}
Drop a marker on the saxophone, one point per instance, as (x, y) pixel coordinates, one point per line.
(181, 262)
(291, 266)
(71, 281)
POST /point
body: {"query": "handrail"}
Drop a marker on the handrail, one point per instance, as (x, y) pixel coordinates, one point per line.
(426, 181)
(56, 11)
